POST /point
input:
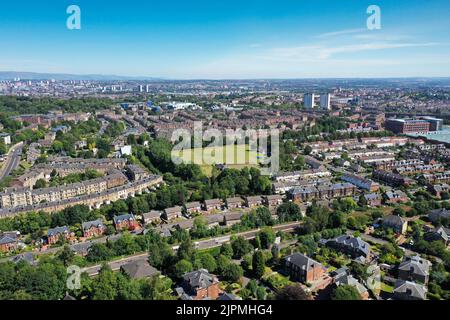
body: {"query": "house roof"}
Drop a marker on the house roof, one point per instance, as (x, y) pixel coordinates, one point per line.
(234, 200)
(57, 230)
(346, 279)
(352, 242)
(302, 261)
(228, 296)
(191, 205)
(213, 202)
(436, 214)
(411, 288)
(96, 223)
(176, 209)
(151, 214)
(139, 269)
(254, 198)
(8, 238)
(128, 216)
(393, 220)
(199, 279)
(416, 264)
(444, 233)
(26, 256)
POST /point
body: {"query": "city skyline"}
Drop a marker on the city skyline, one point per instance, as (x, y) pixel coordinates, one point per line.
(252, 40)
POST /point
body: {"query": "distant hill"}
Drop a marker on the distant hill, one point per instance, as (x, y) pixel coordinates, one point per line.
(9, 75)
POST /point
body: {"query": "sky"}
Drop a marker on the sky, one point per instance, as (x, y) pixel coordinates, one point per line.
(233, 39)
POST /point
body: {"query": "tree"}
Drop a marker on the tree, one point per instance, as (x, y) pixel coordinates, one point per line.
(182, 267)
(226, 250)
(289, 211)
(258, 264)
(208, 262)
(362, 201)
(345, 292)
(186, 249)
(41, 183)
(240, 247)
(157, 288)
(267, 237)
(292, 292)
(232, 272)
(66, 255)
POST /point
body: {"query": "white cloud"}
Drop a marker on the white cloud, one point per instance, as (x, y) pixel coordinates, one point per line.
(341, 33)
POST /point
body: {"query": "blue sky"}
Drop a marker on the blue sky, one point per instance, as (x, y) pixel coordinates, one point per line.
(227, 39)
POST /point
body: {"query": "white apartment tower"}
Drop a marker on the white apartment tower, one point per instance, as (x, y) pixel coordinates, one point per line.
(308, 100)
(325, 100)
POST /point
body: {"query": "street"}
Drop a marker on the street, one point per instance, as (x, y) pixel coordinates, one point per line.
(202, 244)
(12, 160)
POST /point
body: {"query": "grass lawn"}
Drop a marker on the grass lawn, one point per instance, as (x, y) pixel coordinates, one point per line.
(237, 156)
(387, 288)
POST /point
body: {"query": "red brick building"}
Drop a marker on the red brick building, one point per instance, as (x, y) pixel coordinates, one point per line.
(126, 222)
(303, 268)
(93, 228)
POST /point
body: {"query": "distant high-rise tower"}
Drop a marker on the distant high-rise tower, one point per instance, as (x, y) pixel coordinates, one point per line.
(141, 88)
(147, 88)
(325, 100)
(308, 100)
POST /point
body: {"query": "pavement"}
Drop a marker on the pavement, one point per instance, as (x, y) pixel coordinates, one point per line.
(12, 160)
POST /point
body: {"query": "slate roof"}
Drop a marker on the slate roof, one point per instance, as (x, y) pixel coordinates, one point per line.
(302, 261)
(123, 217)
(57, 230)
(7, 238)
(411, 288)
(352, 242)
(139, 269)
(199, 279)
(346, 279)
(416, 264)
(436, 214)
(96, 224)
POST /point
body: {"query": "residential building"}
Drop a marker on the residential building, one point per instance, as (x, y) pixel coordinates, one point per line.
(407, 290)
(273, 200)
(9, 241)
(414, 269)
(213, 204)
(437, 215)
(55, 234)
(360, 182)
(325, 100)
(395, 196)
(93, 228)
(153, 216)
(308, 100)
(397, 223)
(139, 269)
(353, 246)
(253, 201)
(234, 203)
(172, 213)
(126, 222)
(302, 268)
(199, 285)
(193, 207)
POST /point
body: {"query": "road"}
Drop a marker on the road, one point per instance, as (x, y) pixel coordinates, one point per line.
(12, 160)
(202, 244)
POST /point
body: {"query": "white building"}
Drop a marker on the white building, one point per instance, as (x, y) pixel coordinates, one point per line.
(325, 100)
(6, 138)
(308, 100)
